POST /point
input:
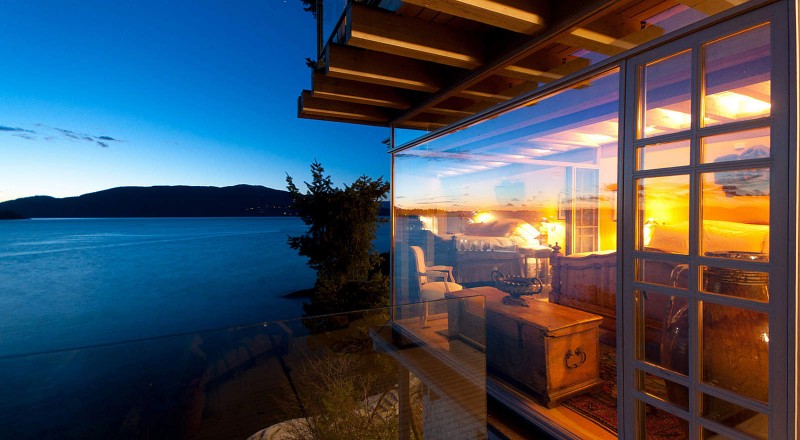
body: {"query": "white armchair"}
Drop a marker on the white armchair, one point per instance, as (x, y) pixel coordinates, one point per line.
(434, 281)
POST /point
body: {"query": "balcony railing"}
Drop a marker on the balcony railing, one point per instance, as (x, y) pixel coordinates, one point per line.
(375, 374)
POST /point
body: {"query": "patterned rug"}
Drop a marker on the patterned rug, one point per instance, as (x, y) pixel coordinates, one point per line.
(601, 406)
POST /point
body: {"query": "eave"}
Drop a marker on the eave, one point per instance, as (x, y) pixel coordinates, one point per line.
(431, 63)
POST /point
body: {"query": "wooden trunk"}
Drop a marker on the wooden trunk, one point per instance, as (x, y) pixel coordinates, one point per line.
(550, 350)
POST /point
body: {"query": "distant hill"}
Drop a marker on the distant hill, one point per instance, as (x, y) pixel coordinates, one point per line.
(158, 201)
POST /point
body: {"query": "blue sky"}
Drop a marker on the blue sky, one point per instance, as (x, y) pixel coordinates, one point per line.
(98, 94)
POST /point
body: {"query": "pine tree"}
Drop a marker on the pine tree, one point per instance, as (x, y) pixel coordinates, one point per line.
(338, 243)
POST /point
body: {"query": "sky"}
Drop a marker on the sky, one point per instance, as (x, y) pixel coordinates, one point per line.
(99, 94)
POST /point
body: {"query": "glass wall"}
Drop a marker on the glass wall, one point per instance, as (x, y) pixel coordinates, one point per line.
(522, 207)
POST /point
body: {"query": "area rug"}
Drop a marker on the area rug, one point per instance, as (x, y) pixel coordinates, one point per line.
(601, 406)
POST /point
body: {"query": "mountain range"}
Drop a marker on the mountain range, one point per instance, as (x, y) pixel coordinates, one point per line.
(157, 201)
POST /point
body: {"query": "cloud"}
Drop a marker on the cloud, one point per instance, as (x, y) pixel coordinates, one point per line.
(50, 133)
(4, 128)
(101, 140)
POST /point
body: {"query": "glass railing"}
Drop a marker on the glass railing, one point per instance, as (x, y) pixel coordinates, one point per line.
(376, 374)
(333, 18)
(331, 13)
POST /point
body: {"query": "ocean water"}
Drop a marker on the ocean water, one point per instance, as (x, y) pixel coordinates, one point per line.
(103, 329)
(80, 282)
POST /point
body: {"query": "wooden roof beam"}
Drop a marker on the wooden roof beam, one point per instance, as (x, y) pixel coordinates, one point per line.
(326, 109)
(605, 36)
(357, 92)
(491, 92)
(412, 37)
(522, 16)
(382, 69)
(584, 14)
(545, 67)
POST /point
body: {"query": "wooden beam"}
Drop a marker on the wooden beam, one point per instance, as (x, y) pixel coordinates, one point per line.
(522, 16)
(587, 12)
(382, 69)
(314, 117)
(496, 89)
(605, 36)
(422, 125)
(327, 109)
(412, 37)
(545, 67)
(337, 89)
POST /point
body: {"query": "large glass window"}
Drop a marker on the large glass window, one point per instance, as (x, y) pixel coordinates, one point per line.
(522, 208)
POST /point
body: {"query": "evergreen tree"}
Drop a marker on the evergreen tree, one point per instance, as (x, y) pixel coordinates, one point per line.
(338, 243)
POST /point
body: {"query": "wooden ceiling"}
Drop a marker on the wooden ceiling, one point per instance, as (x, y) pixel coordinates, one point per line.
(431, 63)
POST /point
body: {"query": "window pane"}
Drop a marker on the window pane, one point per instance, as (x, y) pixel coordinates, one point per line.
(736, 350)
(663, 213)
(670, 154)
(735, 214)
(740, 145)
(663, 389)
(735, 282)
(661, 424)
(664, 273)
(729, 414)
(490, 203)
(666, 89)
(663, 322)
(674, 349)
(737, 77)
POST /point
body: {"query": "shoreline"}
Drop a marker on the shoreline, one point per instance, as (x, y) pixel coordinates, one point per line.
(302, 293)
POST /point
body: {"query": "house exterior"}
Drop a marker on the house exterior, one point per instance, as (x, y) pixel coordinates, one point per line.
(637, 158)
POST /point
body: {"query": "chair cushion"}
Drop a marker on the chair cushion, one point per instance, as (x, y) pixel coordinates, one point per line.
(436, 290)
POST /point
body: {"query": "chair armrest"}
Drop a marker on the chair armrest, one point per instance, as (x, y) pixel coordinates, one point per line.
(438, 274)
(444, 269)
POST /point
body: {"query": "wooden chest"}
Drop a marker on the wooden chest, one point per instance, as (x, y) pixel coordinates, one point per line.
(547, 349)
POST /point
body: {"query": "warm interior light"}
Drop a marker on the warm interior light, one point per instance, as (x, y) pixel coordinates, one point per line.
(735, 105)
(595, 139)
(483, 217)
(647, 232)
(666, 118)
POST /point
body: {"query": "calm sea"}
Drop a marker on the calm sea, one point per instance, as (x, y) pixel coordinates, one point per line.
(78, 282)
(96, 283)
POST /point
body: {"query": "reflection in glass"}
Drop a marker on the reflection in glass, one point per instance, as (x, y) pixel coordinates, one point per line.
(736, 350)
(735, 214)
(735, 282)
(663, 213)
(734, 416)
(663, 155)
(666, 96)
(675, 343)
(739, 145)
(527, 191)
(651, 313)
(660, 388)
(737, 77)
(663, 273)
(340, 376)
